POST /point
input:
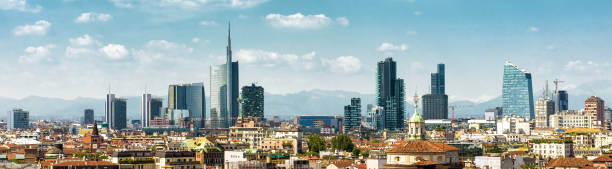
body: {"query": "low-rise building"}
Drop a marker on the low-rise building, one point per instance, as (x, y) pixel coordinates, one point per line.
(550, 148)
(137, 159)
(176, 160)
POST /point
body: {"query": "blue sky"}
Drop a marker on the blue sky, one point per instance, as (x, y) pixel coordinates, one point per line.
(75, 48)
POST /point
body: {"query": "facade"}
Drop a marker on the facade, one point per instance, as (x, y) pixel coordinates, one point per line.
(149, 109)
(435, 105)
(517, 92)
(375, 114)
(189, 97)
(513, 124)
(390, 94)
(252, 99)
(595, 106)
(224, 91)
(548, 148)
(320, 121)
(248, 135)
(136, 159)
(176, 159)
(84, 165)
(108, 108)
(88, 116)
(544, 107)
(410, 154)
(494, 114)
(18, 119)
(115, 111)
(561, 99)
(573, 119)
(352, 115)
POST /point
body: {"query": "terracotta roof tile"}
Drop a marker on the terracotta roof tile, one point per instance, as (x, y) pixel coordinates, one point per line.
(604, 158)
(569, 162)
(341, 163)
(85, 163)
(421, 147)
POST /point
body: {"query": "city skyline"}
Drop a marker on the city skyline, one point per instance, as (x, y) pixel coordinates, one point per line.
(89, 59)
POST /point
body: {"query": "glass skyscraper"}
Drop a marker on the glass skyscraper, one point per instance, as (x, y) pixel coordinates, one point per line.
(390, 94)
(352, 115)
(224, 91)
(435, 105)
(18, 119)
(149, 109)
(517, 92)
(189, 97)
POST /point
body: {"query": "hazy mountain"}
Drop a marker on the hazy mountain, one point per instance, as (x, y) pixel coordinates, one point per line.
(313, 102)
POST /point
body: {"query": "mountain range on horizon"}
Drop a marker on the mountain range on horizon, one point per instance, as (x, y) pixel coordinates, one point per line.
(313, 102)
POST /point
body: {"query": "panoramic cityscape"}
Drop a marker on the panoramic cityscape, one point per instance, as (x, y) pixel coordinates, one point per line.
(250, 84)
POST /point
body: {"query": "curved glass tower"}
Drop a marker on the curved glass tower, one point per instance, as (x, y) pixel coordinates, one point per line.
(517, 93)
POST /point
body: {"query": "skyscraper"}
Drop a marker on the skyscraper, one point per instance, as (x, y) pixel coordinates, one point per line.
(252, 99)
(544, 107)
(18, 119)
(390, 94)
(224, 90)
(108, 108)
(594, 106)
(149, 109)
(435, 105)
(517, 92)
(561, 101)
(352, 115)
(118, 113)
(189, 97)
(88, 116)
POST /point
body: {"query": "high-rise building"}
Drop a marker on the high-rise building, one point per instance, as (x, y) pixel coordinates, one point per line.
(390, 94)
(189, 97)
(375, 114)
(352, 115)
(493, 114)
(561, 99)
(595, 106)
(224, 101)
(517, 92)
(88, 116)
(116, 112)
(435, 105)
(544, 107)
(149, 109)
(18, 119)
(252, 99)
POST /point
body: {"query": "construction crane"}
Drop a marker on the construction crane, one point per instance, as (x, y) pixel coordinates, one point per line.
(556, 82)
(453, 110)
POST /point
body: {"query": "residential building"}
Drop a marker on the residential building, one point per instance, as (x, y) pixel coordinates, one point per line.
(352, 116)
(551, 148)
(517, 92)
(513, 124)
(252, 101)
(149, 109)
(208, 151)
(224, 91)
(189, 97)
(595, 106)
(84, 165)
(248, 135)
(134, 159)
(408, 154)
(574, 119)
(18, 119)
(88, 116)
(569, 163)
(544, 107)
(435, 104)
(176, 159)
(390, 94)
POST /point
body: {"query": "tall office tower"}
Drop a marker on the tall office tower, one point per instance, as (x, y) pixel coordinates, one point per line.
(189, 97)
(435, 105)
(149, 109)
(390, 95)
(18, 119)
(352, 116)
(594, 106)
(88, 116)
(561, 100)
(119, 114)
(544, 107)
(252, 99)
(224, 101)
(108, 108)
(517, 92)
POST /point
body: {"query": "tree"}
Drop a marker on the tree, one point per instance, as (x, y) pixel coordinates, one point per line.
(365, 153)
(356, 153)
(528, 166)
(374, 140)
(316, 144)
(342, 142)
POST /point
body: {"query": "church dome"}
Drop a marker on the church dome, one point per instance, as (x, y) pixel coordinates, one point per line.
(416, 117)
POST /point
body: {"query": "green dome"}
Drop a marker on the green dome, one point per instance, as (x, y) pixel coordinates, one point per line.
(416, 117)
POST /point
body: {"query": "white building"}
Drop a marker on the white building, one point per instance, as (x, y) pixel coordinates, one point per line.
(573, 119)
(544, 107)
(232, 157)
(487, 162)
(513, 124)
(376, 160)
(549, 148)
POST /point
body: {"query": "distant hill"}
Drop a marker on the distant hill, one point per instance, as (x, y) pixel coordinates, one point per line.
(313, 102)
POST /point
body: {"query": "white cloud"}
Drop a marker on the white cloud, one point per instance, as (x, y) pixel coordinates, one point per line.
(245, 3)
(417, 13)
(272, 59)
(168, 52)
(187, 4)
(343, 64)
(208, 23)
(114, 51)
(84, 40)
(75, 52)
(195, 40)
(19, 5)
(122, 3)
(39, 28)
(166, 45)
(387, 47)
(342, 21)
(35, 54)
(300, 21)
(93, 17)
(533, 29)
